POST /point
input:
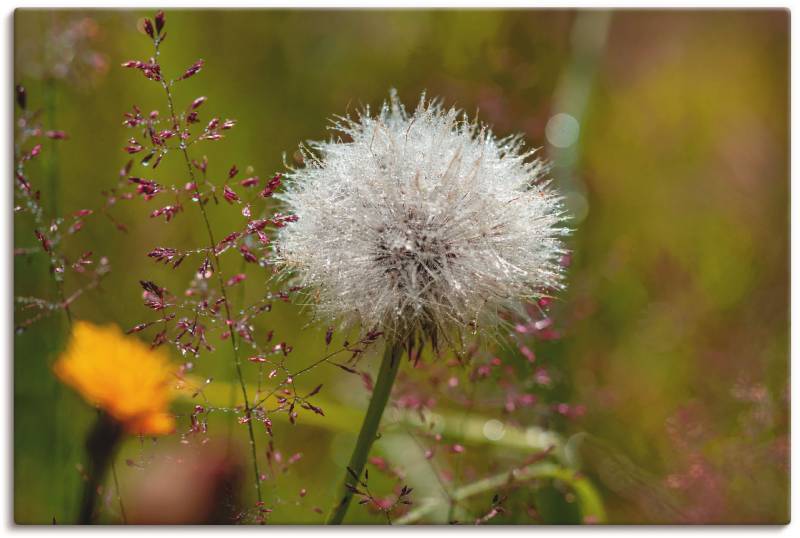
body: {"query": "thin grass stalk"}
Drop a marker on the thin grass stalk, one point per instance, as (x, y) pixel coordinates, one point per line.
(119, 493)
(218, 271)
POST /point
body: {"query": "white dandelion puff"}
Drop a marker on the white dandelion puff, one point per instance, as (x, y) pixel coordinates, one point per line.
(421, 222)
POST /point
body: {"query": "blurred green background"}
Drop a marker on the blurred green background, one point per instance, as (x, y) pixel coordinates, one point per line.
(675, 321)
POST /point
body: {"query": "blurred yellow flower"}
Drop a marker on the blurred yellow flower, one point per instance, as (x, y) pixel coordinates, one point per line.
(121, 375)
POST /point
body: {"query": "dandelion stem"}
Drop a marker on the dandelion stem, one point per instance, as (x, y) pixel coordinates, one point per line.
(226, 301)
(101, 444)
(390, 364)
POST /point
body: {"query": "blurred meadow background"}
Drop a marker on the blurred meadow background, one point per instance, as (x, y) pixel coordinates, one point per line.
(668, 132)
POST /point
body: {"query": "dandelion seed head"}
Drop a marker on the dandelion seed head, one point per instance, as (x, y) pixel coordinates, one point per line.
(421, 221)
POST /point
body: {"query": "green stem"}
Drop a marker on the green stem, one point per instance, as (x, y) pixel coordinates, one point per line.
(390, 364)
(101, 443)
(51, 171)
(588, 498)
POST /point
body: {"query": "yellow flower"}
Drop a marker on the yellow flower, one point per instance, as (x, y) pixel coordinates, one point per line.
(121, 375)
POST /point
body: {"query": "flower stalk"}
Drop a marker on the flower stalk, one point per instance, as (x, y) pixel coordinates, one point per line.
(390, 364)
(101, 443)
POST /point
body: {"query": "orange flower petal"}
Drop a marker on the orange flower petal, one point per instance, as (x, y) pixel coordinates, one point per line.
(121, 375)
(153, 424)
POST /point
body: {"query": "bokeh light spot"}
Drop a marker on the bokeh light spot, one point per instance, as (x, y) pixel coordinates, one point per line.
(562, 130)
(494, 430)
